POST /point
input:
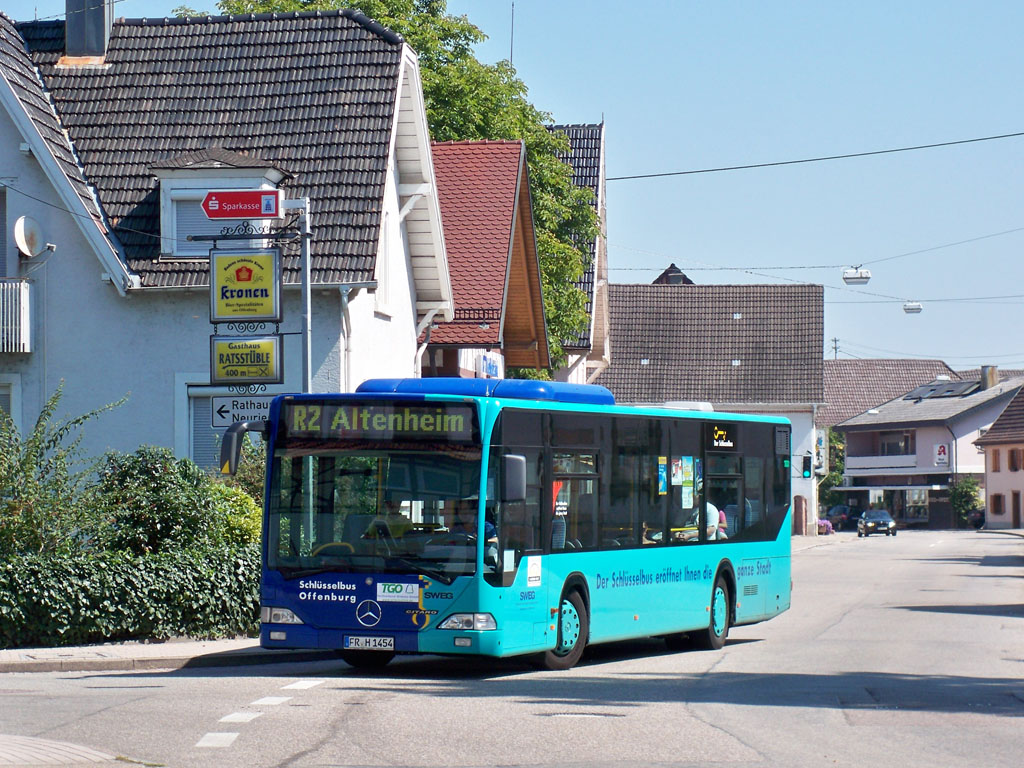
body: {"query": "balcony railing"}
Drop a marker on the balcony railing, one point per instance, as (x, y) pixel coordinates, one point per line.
(880, 462)
(14, 315)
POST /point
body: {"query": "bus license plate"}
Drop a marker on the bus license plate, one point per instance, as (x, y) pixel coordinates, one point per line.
(370, 643)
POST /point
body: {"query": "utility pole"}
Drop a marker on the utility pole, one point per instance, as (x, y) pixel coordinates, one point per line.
(835, 348)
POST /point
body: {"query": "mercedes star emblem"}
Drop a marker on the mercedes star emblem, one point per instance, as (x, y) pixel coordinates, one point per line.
(368, 613)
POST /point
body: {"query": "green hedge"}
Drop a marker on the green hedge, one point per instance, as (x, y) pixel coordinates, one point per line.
(54, 600)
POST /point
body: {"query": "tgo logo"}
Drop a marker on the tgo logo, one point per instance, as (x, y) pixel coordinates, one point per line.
(398, 593)
(368, 613)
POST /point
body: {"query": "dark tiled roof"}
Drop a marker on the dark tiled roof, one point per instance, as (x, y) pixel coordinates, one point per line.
(313, 93)
(853, 386)
(1009, 427)
(214, 157)
(691, 335)
(901, 411)
(476, 187)
(16, 68)
(586, 142)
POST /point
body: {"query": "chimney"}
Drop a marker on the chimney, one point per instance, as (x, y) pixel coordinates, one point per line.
(87, 30)
(989, 376)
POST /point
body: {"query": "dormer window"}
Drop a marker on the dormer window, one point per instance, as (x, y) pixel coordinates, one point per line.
(184, 182)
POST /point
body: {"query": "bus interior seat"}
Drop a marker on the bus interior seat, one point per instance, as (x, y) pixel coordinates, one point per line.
(558, 532)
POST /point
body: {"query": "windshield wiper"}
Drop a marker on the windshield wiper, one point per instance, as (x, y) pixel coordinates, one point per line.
(415, 565)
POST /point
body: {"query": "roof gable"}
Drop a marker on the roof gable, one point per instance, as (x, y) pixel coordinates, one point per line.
(314, 93)
(853, 386)
(719, 343)
(492, 255)
(23, 97)
(1009, 427)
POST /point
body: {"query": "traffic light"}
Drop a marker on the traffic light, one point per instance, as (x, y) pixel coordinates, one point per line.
(807, 466)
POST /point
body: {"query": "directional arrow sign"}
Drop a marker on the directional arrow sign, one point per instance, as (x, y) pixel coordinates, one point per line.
(230, 410)
(243, 204)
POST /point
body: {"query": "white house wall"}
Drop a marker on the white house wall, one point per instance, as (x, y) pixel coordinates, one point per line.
(154, 345)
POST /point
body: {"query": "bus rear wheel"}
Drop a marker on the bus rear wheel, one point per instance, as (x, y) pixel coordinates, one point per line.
(366, 659)
(713, 638)
(573, 630)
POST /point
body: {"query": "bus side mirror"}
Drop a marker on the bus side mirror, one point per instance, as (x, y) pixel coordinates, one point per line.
(231, 445)
(513, 473)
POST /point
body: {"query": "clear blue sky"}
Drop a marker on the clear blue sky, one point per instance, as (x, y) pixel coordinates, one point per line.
(692, 85)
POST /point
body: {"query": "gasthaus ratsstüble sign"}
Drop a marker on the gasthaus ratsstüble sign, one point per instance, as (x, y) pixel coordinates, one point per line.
(245, 286)
(246, 359)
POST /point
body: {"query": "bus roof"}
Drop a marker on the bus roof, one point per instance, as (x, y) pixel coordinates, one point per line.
(518, 389)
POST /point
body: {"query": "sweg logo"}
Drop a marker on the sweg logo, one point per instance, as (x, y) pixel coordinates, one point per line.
(389, 592)
(720, 438)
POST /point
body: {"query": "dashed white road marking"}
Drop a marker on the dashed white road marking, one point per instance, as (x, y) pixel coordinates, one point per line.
(240, 717)
(217, 740)
(302, 685)
(270, 701)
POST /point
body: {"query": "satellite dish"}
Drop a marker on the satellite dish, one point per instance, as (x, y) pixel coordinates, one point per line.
(29, 237)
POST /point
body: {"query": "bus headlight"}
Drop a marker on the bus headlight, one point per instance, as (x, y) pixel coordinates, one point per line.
(270, 615)
(466, 621)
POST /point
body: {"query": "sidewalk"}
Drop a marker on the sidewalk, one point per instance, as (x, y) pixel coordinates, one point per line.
(172, 654)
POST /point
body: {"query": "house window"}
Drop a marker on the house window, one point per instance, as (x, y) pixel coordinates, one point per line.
(995, 459)
(1013, 459)
(10, 397)
(896, 444)
(996, 502)
(187, 218)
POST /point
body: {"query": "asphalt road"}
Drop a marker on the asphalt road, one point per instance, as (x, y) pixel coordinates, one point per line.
(903, 651)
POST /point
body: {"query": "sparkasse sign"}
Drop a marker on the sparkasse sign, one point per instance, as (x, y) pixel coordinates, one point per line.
(245, 286)
(243, 204)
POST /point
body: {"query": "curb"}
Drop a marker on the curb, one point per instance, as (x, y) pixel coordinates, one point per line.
(205, 661)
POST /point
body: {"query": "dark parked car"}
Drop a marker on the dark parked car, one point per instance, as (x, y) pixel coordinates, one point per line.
(843, 517)
(876, 521)
(976, 518)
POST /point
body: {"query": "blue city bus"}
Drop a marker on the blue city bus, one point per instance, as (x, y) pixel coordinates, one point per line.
(599, 522)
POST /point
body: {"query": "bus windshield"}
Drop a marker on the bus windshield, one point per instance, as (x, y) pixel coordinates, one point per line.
(385, 495)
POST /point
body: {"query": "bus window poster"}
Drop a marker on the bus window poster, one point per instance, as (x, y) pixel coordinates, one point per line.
(662, 475)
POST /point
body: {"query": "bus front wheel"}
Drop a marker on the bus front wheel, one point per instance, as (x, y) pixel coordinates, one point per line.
(573, 630)
(713, 638)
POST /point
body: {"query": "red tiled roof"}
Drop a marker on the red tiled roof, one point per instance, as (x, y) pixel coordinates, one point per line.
(854, 386)
(476, 187)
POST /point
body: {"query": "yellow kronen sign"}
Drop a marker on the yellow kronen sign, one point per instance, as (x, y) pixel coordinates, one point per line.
(245, 285)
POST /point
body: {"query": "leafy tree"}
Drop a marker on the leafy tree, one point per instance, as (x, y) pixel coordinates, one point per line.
(836, 466)
(469, 100)
(42, 477)
(963, 496)
(251, 472)
(151, 501)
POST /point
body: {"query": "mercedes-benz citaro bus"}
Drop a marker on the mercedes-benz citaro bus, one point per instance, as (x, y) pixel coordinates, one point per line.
(504, 517)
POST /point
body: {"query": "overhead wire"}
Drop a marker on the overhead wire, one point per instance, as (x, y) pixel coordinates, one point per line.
(816, 159)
